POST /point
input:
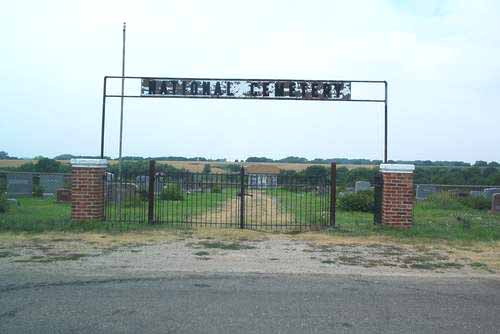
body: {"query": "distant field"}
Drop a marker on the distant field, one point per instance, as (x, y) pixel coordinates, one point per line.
(13, 163)
(197, 166)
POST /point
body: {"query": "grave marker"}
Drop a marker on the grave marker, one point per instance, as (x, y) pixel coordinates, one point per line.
(19, 184)
(51, 182)
(425, 190)
(475, 193)
(488, 192)
(361, 186)
(495, 203)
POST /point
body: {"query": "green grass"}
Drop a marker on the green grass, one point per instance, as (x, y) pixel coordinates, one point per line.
(202, 253)
(194, 204)
(436, 265)
(35, 215)
(224, 245)
(481, 266)
(430, 222)
(306, 207)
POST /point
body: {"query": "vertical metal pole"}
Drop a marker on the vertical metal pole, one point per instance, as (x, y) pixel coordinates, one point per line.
(385, 123)
(121, 102)
(103, 116)
(151, 191)
(242, 197)
(333, 194)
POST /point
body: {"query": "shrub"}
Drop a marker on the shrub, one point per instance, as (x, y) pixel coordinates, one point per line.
(361, 201)
(478, 203)
(37, 190)
(134, 200)
(207, 169)
(216, 189)
(143, 195)
(4, 204)
(172, 192)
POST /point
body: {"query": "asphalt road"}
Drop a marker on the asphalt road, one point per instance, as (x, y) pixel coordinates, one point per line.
(250, 303)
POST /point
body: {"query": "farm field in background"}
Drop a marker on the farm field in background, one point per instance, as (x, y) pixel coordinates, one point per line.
(197, 166)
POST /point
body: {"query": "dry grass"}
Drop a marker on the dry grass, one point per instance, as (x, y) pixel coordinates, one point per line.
(479, 256)
(14, 163)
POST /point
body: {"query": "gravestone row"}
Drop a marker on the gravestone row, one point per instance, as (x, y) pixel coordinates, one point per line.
(425, 190)
(21, 184)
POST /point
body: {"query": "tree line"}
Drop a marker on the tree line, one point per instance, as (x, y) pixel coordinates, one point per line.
(346, 161)
(479, 174)
(290, 159)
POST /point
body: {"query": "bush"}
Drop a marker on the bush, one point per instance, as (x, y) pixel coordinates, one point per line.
(135, 200)
(362, 201)
(4, 204)
(172, 192)
(478, 203)
(37, 190)
(207, 169)
(216, 189)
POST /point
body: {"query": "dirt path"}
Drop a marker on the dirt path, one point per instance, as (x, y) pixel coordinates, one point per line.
(261, 212)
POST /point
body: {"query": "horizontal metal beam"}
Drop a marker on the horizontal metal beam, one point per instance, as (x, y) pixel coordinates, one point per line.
(234, 98)
(240, 79)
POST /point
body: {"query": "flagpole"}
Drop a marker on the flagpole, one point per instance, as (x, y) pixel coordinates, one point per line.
(121, 103)
(121, 121)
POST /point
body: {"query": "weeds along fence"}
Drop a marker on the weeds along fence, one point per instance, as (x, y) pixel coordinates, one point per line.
(236, 200)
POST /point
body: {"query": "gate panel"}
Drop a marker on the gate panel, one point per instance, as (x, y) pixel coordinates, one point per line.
(256, 201)
(126, 198)
(202, 199)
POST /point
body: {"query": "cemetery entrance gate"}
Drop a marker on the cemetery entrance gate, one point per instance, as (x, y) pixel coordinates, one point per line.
(244, 199)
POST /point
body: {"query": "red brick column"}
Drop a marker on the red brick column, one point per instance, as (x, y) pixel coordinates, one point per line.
(87, 189)
(397, 197)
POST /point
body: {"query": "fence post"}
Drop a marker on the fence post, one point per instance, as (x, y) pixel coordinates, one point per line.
(242, 197)
(151, 191)
(333, 194)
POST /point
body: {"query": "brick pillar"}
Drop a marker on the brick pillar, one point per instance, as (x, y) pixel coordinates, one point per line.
(87, 189)
(396, 195)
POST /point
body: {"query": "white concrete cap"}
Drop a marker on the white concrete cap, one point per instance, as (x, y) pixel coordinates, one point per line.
(397, 168)
(89, 163)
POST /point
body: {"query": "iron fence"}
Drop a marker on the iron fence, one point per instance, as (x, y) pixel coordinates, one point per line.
(236, 200)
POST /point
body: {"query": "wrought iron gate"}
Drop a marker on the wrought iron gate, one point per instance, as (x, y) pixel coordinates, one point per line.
(257, 201)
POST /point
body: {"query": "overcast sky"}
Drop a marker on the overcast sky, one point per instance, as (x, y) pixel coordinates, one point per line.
(441, 59)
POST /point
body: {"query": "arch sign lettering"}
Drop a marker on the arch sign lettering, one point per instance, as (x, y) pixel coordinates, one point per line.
(247, 89)
(261, 89)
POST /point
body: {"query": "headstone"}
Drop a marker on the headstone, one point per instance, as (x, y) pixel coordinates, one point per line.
(495, 203)
(361, 186)
(109, 177)
(116, 192)
(488, 192)
(14, 201)
(19, 184)
(142, 182)
(425, 190)
(51, 182)
(63, 195)
(475, 193)
(142, 179)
